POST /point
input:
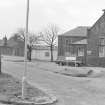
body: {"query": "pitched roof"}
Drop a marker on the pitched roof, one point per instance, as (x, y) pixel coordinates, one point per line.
(78, 31)
(12, 43)
(84, 41)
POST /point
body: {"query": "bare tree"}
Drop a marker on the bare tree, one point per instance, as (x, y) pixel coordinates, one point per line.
(19, 35)
(49, 36)
(32, 39)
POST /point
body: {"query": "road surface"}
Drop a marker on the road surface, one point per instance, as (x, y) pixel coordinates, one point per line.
(68, 90)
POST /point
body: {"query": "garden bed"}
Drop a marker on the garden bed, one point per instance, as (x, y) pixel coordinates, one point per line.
(81, 72)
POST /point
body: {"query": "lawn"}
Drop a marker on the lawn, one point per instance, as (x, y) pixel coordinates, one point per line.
(10, 91)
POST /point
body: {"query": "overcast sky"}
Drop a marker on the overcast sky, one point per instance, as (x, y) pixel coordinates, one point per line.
(67, 14)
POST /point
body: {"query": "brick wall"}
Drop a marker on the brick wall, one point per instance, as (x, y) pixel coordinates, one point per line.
(95, 32)
(63, 46)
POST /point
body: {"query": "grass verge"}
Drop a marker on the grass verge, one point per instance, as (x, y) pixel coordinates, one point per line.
(10, 92)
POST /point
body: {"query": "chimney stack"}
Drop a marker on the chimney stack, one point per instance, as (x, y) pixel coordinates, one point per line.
(103, 10)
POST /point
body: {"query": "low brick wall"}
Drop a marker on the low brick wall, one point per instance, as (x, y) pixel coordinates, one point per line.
(93, 61)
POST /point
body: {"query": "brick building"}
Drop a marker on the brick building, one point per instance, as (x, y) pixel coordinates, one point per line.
(73, 43)
(96, 43)
(86, 43)
(11, 47)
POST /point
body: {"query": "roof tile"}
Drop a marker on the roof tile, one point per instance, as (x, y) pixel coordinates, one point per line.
(78, 31)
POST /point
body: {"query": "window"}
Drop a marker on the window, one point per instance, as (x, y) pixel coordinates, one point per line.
(102, 47)
(102, 41)
(67, 53)
(60, 51)
(101, 51)
(80, 51)
(67, 42)
(47, 54)
(89, 52)
(67, 45)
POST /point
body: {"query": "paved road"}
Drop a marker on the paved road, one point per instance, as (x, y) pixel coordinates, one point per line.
(69, 90)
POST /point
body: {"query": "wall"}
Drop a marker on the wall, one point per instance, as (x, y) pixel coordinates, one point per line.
(82, 58)
(68, 47)
(40, 54)
(62, 46)
(6, 50)
(97, 30)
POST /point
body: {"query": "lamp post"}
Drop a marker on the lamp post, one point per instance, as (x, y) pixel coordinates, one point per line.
(25, 51)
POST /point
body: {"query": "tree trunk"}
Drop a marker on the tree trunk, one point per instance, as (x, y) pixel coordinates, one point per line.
(51, 48)
(29, 53)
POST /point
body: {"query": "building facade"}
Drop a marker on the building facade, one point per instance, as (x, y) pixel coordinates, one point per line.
(42, 52)
(11, 47)
(96, 43)
(73, 44)
(86, 43)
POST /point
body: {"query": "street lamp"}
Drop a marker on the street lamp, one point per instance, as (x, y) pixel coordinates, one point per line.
(25, 51)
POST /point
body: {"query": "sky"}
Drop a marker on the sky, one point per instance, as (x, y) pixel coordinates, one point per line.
(66, 14)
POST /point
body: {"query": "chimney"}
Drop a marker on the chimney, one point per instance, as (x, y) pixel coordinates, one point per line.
(103, 11)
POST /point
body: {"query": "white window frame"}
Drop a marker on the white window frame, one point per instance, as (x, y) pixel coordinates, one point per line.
(80, 52)
(101, 51)
(102, 41)
(47, 54)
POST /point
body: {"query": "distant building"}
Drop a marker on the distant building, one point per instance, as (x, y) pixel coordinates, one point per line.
(16, 48)
(86, 43)
(11, 47)
(42, 52)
